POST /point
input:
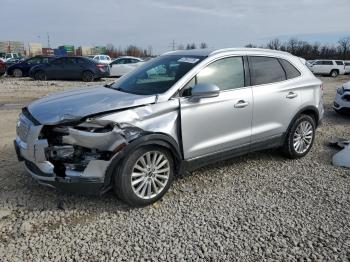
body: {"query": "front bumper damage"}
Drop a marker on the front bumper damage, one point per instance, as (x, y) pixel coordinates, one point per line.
(342, 102)
(73, 159)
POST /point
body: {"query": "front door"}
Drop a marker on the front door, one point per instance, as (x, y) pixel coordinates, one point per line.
(222, 123)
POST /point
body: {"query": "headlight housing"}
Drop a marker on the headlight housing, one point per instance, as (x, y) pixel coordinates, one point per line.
(340, 90)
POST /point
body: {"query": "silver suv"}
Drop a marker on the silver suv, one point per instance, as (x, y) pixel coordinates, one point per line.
(180, 111)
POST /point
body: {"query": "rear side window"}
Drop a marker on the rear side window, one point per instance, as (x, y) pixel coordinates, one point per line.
(339, 62)
(266, 70)
(347, 63)
(291, 71)
(226, 73)
(326, 63)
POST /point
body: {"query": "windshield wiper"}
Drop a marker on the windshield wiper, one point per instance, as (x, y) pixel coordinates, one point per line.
(109, 85)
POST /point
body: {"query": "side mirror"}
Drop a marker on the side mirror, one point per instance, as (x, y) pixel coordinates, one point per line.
(204, 91)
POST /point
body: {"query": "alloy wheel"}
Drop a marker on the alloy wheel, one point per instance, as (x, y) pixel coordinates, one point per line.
(303, 136)
(150, 174)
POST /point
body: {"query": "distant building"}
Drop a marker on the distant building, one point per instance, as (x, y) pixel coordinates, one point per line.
(84, 51)
(35, 49)
(97, 50)
(12, 47)
(67, 49)
(47, 51)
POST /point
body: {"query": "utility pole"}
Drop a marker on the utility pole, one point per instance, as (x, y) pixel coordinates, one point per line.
(173, 45)
(48, 40)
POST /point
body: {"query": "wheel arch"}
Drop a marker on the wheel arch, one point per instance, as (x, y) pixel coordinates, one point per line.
(308, 110)
(154, 139)
(335, 69)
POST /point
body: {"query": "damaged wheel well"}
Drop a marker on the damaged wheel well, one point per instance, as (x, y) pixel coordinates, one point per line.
(155, 139)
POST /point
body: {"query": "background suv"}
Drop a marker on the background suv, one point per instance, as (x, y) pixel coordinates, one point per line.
(328, 67)
(177, 112)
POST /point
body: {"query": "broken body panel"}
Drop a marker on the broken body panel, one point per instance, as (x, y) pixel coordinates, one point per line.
(71, 146)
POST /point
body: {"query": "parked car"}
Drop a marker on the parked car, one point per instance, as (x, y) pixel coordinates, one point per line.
(309, 62)
(22, 68)
(124, 64)
(328, 67)
(2, 68)
(8, 56)
(136, 134)
(13, 61)
(66, 68)
(103, 59)
(347, 67)
(342, 99)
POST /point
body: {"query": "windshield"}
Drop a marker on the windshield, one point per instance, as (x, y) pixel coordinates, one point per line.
(157, 75)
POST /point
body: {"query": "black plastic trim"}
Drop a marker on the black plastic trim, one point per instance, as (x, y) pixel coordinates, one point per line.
(149, 139)
(28, 115)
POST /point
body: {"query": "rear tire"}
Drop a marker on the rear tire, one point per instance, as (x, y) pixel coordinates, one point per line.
(88, 76)
(144, 176)
(40, 76)
(300, 137)
(334, 73)
(17, 73)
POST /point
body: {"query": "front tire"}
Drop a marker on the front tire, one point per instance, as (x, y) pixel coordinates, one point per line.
(300, 137)
(17, 73)
(144, 176)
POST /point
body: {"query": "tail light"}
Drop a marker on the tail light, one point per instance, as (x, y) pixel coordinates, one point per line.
(322, 87)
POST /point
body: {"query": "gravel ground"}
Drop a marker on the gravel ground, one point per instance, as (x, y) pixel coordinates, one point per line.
(256, 207)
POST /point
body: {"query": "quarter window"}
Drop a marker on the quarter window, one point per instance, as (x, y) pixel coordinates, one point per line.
(339, 62)
(266, 70)
(226, 73)
(291, 71)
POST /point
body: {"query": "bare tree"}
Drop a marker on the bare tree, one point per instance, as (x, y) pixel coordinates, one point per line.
(344, 46)
(180, 47)
(203, 45)
(250, 46)
(312, 50)
(274, 44)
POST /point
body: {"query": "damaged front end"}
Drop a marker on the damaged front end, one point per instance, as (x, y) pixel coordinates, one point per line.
(72, 156)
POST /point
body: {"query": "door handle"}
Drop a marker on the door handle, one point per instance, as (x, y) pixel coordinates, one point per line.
(291, 95)
(241, 104)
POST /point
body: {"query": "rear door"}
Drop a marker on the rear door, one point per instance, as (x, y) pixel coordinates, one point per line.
(276, 98)
(72, 68)
(222, 123)
(55, 69)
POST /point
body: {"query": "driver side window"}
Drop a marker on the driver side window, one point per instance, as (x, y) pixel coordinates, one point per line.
(226, 73)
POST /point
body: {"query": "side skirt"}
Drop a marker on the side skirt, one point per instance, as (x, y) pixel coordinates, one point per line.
(193, 164)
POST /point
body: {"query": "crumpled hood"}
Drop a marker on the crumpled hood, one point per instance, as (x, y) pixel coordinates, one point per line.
(78, 103)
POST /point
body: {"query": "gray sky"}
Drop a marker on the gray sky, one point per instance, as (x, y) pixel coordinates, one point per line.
(221, 23)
